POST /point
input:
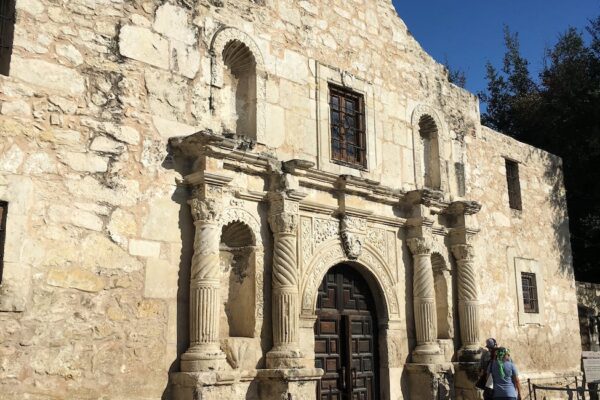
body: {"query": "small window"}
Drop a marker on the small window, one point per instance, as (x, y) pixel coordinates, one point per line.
(514, 186)
(7, 30)
(347, 113)
(3, 212)
(530, 296)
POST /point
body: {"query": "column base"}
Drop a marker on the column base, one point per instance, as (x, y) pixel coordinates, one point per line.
(203, 358)
(428, 354)
(465, 377)
(284, 358)
(469, 354)
(430, 381)
(297, 383)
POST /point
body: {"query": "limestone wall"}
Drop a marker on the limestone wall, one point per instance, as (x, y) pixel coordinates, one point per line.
(535, 239)
(93, 301)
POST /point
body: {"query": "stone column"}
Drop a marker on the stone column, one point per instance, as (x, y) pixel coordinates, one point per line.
(204, 352)
(427, 350)
(283, 219)
(468, 302)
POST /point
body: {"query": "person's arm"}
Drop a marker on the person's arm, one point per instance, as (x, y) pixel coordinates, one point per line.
(517, 383)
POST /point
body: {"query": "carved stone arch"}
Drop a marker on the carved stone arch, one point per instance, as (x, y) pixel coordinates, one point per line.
(425, 120)
(369, 261)
(247, 48)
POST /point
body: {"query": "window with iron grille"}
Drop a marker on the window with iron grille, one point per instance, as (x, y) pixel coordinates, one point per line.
(514, 185)
(530, 296)
(7, 30)
(3, 212)
(348, 141)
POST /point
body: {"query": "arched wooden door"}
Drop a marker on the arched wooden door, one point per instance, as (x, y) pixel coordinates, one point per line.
(346, 337)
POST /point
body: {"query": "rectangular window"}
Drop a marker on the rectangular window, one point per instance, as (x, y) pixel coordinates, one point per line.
(7, 31)
(530, 296)
(3, 212)
(514, 186)
(347, 113)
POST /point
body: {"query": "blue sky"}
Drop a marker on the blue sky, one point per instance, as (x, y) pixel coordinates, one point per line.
(469, 32)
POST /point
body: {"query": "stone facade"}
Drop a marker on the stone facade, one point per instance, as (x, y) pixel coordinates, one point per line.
(173, 206)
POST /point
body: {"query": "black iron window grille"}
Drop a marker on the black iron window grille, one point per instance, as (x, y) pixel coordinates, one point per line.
(347, 113)
(530, 296)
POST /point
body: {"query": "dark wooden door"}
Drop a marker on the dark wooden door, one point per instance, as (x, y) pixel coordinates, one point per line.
(345, 337)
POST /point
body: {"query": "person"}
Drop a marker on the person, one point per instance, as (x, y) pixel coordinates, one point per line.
(486, 357)
(488, 354)
(506, 376)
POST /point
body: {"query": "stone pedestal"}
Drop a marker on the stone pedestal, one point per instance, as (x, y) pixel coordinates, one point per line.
(300, 383)
(430, 381)
(213, 385)
(465, 376)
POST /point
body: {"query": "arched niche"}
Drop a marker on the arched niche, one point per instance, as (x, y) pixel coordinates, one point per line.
(428, 149)
(238, 83)
(236, 252)
(443, 296)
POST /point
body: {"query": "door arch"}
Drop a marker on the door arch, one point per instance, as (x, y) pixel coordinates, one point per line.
(346, 334)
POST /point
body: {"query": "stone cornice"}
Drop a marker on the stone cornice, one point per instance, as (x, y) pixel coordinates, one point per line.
(243, 155)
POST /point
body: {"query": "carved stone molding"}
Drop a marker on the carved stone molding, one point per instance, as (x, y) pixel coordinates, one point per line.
(283, 223)
(352, 244)
(333, 254)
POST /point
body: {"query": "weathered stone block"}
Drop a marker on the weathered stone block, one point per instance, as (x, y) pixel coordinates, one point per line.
(161, 279)
(143, 45)
(172, 21)
(144, 248)
(75, 278)
(86, 162)
(47, 75)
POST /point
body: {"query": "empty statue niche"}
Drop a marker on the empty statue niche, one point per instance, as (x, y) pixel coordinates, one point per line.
(443, 296)
(239, 90)
(428, 132)
(237, 255)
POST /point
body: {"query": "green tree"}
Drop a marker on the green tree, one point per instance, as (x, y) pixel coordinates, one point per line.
(559, 113)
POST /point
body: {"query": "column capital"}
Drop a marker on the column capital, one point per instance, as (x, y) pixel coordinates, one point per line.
(419, 246)
(207, 210)
(283, 213)
(462, 252)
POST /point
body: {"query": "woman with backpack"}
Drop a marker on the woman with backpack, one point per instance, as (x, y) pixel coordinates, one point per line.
(506, 376)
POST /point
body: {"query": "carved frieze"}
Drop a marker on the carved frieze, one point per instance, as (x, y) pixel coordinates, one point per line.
(307, 238)
(377, 238)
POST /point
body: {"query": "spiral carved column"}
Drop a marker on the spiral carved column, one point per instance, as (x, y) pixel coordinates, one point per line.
(427, 350)
(204, 352)
(283, 220)
(468, 301)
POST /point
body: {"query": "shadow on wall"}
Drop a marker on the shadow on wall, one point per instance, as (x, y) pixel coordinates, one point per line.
(186, 227)
(554, 177)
